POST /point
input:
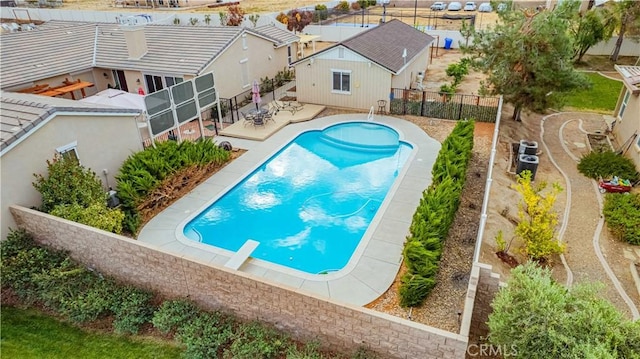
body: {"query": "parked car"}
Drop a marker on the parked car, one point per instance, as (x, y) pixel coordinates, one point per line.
(470, 6)
(438, 6)
(454, 6)
(485, 7)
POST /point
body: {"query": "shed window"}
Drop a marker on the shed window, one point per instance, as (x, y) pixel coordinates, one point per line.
(341, 81)
(69, 151)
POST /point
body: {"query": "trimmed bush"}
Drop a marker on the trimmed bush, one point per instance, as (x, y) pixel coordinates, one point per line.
(255, 340)
(622, 214)
(132, 309)
(95, 215)
(144, 171)
(607, 164)
(68, 182)
(434, 216)
(172, 314)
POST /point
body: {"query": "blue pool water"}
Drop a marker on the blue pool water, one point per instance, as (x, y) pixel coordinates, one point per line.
(310, 204)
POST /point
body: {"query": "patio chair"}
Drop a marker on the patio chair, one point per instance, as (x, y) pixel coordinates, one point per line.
(293, 107)
(269, 115)
(258, 121)
(277, 105)
(247, 119)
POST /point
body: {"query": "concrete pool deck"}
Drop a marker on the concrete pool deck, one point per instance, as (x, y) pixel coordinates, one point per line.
(375, 262)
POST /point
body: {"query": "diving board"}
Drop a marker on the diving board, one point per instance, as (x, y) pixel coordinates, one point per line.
(242, 254)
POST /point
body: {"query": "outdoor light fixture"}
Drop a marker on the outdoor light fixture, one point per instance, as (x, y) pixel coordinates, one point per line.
(105, 75)
(138, 81)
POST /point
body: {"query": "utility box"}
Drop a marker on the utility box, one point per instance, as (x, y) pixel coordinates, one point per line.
(528, 162)
(528, 147)
(112, 199)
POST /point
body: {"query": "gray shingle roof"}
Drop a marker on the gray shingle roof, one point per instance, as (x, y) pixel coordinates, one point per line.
(279, 36)
(21, 113)
(385, 44)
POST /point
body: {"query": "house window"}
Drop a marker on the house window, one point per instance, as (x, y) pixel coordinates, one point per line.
(341, 53)
(289, 60)
(156, 83)
(69, 151)
(120, 80)
(244, 42)
(244, 72)
(625, 102)
(341, 81)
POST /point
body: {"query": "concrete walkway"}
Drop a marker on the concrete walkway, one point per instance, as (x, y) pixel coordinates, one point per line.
(565, 140)
(375, 262)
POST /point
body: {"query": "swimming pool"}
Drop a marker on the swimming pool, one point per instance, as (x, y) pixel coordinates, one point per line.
(309, 204)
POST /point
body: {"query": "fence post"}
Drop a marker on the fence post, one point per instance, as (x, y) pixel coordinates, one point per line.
(404, 101)
(424, 95)
(461, 104)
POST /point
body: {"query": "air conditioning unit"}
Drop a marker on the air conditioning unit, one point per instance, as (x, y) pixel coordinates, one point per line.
(420, 77)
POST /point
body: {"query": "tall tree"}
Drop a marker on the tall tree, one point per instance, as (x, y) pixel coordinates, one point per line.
(587, 30)
(528, 58)
(622, 16)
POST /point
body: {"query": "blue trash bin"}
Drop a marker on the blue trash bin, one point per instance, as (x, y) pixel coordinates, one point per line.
(447, 43)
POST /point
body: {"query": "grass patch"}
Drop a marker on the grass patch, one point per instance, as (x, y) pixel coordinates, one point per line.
(30, 334)
(603, 96)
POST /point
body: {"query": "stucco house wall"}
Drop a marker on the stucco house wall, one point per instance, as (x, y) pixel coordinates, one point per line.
(103, 142)
(629, 124)
(369, 82)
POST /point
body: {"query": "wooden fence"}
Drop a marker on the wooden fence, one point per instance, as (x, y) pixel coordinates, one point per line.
(445, 106)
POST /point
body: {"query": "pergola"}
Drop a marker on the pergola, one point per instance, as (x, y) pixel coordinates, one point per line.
(65, 88)
(305, 40)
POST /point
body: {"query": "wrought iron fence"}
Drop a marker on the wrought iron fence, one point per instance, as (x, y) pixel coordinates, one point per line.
(441, 105)
(270, 89)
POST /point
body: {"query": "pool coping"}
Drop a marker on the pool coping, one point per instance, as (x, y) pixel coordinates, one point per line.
(375, 262)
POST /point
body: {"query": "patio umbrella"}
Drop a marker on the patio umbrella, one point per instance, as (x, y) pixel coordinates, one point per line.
(255, 94)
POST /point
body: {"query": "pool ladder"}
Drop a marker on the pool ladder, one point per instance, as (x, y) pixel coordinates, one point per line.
(370, 116)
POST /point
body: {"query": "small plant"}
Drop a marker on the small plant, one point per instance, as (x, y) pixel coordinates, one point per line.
(95, 215)
(622, 214)
(207, 19)
(254, 19)
(176, 20)
(501, 244)
(233, 17)
(131, 310)
(458, 71)
(193, 21)
(607, 164)
(538, 220)
(343, 7)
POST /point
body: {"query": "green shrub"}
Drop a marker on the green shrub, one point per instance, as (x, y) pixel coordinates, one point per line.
(95, 215)
(435, 214)
(343, 6)
(132, 309)
(68, 182)
(144, 171)
(622, 214)
(414, 289)
(541, 318)
(172, 314)
(607, 164)
(458, 71)
(205, 335)
(17, 240)
(255, 340)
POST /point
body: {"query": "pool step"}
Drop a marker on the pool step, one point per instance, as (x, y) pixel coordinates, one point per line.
(242, 254)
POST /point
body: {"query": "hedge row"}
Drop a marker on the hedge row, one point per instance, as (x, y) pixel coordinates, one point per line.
(434, 215)
(144, 171)
(51, 278)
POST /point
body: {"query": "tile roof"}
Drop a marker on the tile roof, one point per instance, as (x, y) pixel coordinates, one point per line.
(45, 52)
(21, 113)
(180, 50)
(385, 44)
(61, 47)
(631, 76)
(280, 37)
